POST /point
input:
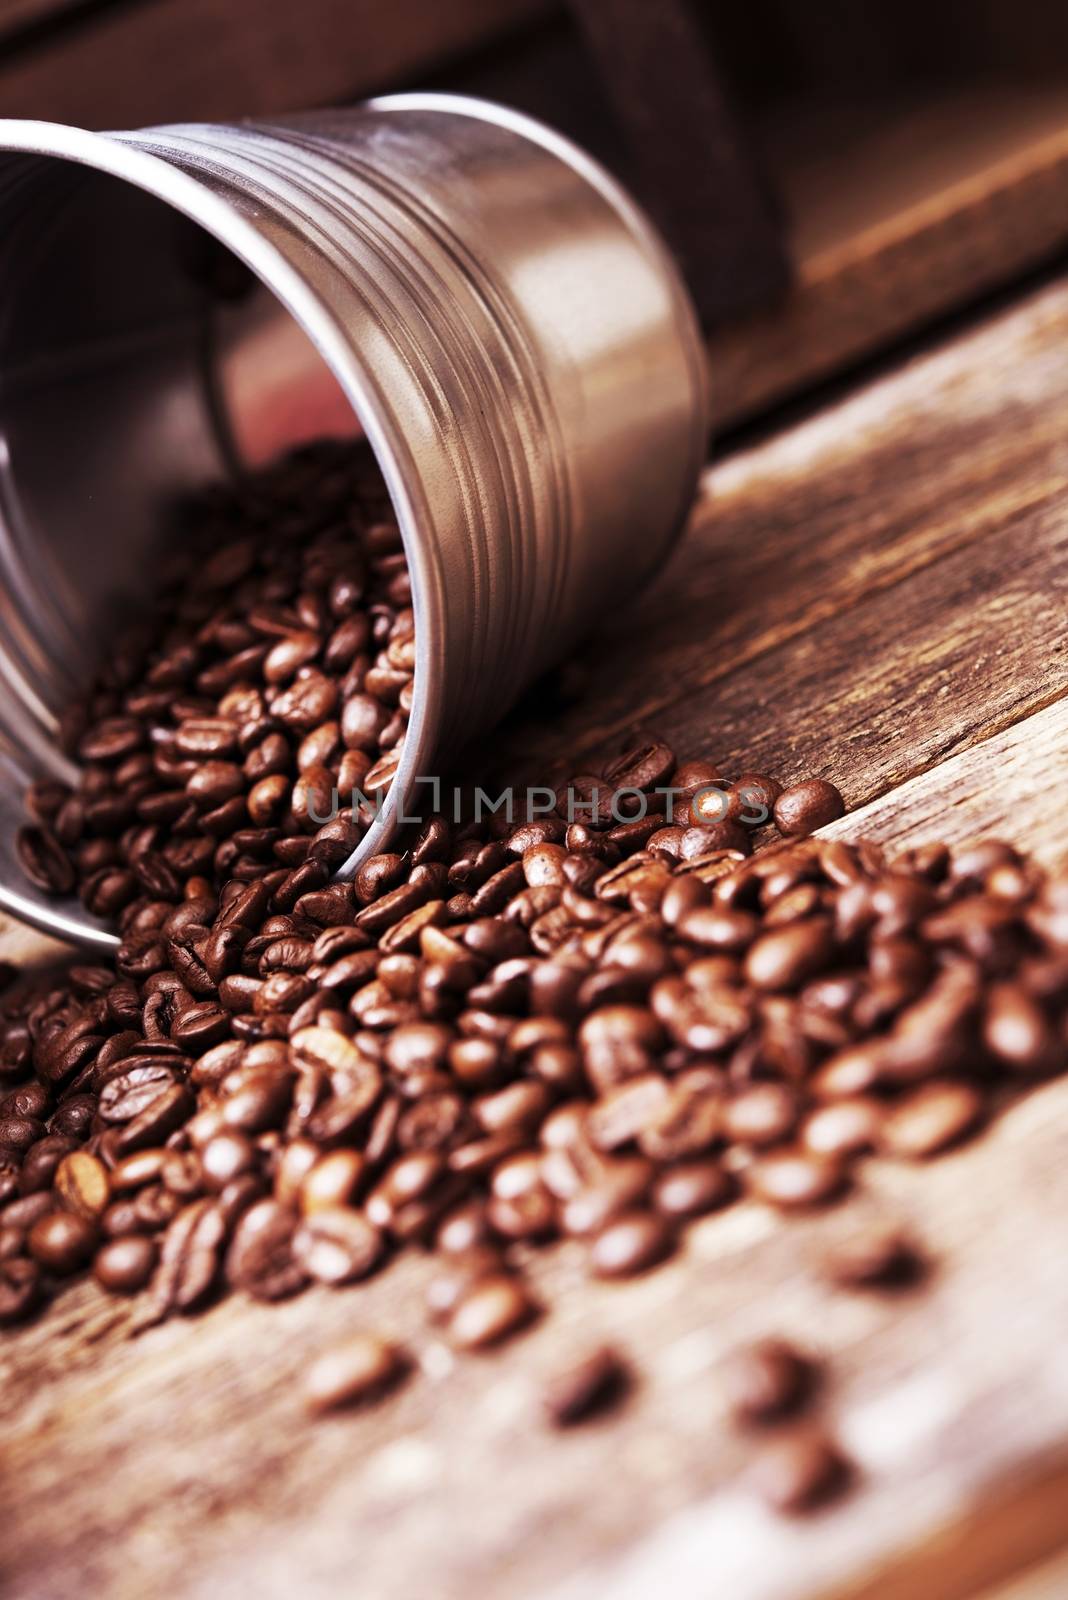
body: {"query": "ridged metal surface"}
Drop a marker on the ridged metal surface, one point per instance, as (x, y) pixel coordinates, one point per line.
(509, 332)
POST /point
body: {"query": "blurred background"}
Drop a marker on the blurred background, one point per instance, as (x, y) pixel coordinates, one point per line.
(833, 175)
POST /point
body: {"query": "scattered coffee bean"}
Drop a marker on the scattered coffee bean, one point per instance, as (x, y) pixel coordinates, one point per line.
(337, 1244)
(491, 1310)
(584, 1387)
(692, 1188)
(765, 1381)
(799, 1472)
(807, 806)
(363, 1368)
(877, 1255)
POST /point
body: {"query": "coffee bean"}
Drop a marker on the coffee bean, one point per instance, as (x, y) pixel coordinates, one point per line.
(630, 1243)
(763, 1114)
(790, 1179)
(799, 1472)
(81, 1181)
(491, 1310)
(62, 1242)
(1017, 1031)
(260, 1259)
(765, 1381)
(125, 1265)
(364, 1367)
(843, 1128)
(337, 1244)
(190, 1259)
(931, 1119)
(229, 1154)
(584, 1387)
(20, 1288)
(807, 806)
(873, 1256)
(332, 1180)
(692, 1188)
(44, 860)
(787, 956)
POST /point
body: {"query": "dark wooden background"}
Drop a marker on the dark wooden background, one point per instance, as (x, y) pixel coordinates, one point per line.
(834, 177)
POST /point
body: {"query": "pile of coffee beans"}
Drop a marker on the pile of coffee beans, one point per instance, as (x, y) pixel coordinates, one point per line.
(276, 668)
(496, 1035)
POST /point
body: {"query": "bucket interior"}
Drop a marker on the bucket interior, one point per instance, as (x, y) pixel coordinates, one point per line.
(139, 361)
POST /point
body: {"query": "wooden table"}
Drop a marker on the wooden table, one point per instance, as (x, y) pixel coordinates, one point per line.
(877, 593)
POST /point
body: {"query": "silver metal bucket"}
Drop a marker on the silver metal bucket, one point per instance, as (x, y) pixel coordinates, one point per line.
(452, 279)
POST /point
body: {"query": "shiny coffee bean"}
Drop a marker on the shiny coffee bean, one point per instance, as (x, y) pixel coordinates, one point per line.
(765, 1381)
(630, 1243)
(361, 1368)
(584, 1387)
(126, 1264)
(799, 1472)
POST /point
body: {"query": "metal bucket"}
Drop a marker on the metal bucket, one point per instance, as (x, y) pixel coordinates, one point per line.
(452, 279)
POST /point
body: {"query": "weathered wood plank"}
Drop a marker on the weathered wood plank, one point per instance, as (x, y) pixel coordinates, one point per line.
(839, 576)
(961, 195)
(1013, 785)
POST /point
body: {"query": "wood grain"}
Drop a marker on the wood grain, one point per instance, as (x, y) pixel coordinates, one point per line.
(896, 541)
(844, 599)
(950, 199)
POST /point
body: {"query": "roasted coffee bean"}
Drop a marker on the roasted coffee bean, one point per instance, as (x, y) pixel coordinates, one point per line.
(491, 1310)
(81, 1182)
(260, 1259)
(584, 1387)
(789, 955)
(630, 1243)
(41, 1162)
(790, 1179)
(44, 860)
(762, 1114)
(20, 1289)
(843, 1128)
(765, 1381)
(337, 1244)
(931, 1119)
(692, 1188)
(190, 1259)
(1017, 1032)
(364, 1367)
(799, 1472)
(876, 1255)
(62, 1242)
(228, 1155)
(807, 806)
(126, 1264)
